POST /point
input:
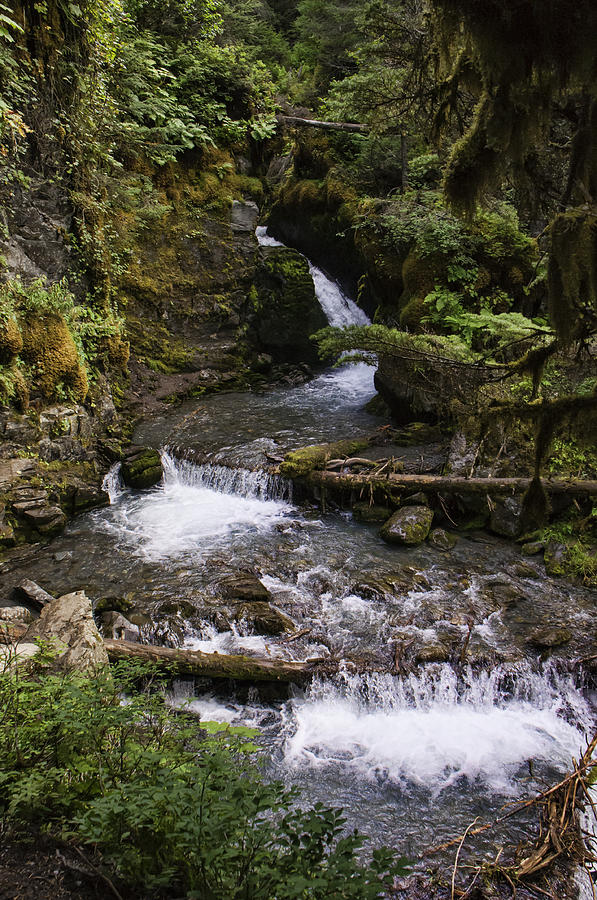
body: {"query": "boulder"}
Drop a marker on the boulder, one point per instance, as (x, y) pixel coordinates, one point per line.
(505, 517)
(442, 539)
(31, 594)
(409, 525)
(532, 548)
(67, 624)
(115, 626)
(285, 310)
(242, 586)
(142, 468)
(263, 618)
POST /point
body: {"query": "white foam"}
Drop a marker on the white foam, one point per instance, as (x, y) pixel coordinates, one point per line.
(183, 515)
(432, 729)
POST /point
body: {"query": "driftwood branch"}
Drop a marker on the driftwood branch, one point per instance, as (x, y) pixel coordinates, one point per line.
(325, 126)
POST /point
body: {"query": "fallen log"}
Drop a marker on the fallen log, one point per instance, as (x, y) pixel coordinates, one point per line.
(448, 483)
(213, 665)
(325, 126)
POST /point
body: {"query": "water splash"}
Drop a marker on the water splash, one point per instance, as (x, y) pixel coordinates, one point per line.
(436, 727)
(113, 484)
(241, 482)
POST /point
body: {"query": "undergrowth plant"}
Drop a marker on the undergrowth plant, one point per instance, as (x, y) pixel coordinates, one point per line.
(168, 804)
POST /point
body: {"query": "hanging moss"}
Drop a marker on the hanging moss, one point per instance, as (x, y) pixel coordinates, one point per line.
(573, 271)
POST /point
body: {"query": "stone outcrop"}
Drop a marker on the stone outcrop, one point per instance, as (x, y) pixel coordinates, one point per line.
(68, 626)
(286, 309)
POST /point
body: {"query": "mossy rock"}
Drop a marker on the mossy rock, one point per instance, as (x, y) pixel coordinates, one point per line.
(112, 604)
(11, 341)
(409, 525)
(49, 346)
(300, 462)
(143, 469)
(411, 317)
(287, 310)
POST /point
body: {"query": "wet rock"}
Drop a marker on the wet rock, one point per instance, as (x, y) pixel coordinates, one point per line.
(31, 594)
(545, 638)
(505, 517)
(242, 586)
(524, 570)
(183, 608)
(532, 548)
(556, 558)
(432, 653)
(115, 626)
(67, 623)
(442, 539)
(501, 593)
(244, 216)
(263, 618)
(371, 512)
(409, 525)
(142, 469)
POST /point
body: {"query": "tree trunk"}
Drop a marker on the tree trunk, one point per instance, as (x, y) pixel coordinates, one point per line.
(449, 483)
(212, 665)
(325, 126)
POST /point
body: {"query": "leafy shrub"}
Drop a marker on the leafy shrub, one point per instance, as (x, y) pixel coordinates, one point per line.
(168, 804)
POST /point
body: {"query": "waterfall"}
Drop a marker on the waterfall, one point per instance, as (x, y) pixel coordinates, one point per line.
(257, 485)
(435, 727)
(340, 310)
(113, 484)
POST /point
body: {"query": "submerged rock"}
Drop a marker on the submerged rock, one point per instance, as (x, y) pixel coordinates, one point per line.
(142, 469)
(550, 636)
(371, 512)
(409, 525)
(443, 539)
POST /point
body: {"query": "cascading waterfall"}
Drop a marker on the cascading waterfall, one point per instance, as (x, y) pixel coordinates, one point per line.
(258, 484)
(434, 727)
(113, 484)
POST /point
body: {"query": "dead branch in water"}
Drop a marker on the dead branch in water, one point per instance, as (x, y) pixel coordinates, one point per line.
(560, 836)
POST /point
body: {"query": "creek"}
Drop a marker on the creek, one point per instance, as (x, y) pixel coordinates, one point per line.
(413, 759)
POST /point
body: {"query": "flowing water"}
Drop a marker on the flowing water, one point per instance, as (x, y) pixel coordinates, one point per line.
(412, 758)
